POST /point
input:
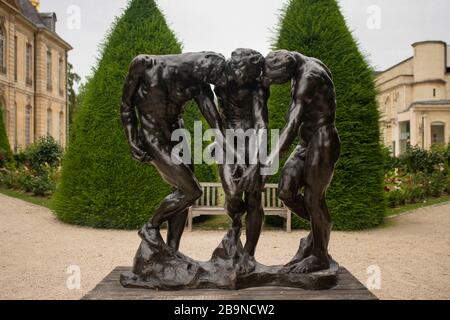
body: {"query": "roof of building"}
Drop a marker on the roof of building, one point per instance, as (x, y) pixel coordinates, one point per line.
(36, 18)
(395, 65)
(410, 58)
(429, 41)
(31, 13)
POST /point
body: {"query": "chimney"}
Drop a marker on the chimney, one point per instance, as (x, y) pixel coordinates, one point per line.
(49, 19)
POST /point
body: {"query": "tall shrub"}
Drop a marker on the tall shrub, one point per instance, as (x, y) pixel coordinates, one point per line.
(317, 28)
(5, 148)
(101, 186)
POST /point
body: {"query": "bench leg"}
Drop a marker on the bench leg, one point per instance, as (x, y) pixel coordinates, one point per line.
(190, 220)
(289, 221)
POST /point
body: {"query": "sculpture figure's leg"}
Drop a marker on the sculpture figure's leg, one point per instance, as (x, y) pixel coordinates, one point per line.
(235, 207)
(291, 181)
(234, 203)
(187, 191)
(322, 155)
(176, 226)
(254, 223)
(290, 185)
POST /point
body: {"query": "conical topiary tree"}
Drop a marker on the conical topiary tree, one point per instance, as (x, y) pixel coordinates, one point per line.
(5, 149)
(317, 28)
(101, 186)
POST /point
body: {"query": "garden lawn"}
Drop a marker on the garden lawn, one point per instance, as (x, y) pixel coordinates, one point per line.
(414, 206)
(40, 201)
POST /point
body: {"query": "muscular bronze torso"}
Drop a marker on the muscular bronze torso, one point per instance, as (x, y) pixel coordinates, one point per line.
(313, 89)
(236, 106)
(167, 85)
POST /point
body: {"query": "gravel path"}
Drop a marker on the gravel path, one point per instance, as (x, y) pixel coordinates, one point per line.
(412, 252)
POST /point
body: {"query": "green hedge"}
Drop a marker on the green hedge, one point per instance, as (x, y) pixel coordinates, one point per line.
(203, 172)
(101, 186)
(5, 148)
(317, 28)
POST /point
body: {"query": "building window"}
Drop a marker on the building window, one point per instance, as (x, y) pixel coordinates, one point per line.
(28, 112)
(5, 115)
(16, 142)
(438, 133)
(29, 64)
(3, 111)
(61, 76)
(434, 92)
(49, 122)
(61, 127)
(405, 136)
(49, 71)
(15, 58)
(7, 122)
(2, 51)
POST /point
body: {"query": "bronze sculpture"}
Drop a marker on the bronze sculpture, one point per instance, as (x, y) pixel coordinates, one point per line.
(311, 118)
(243, 104)
(156, 90)
(158, 87)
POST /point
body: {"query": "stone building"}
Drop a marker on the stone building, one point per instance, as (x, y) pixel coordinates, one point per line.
(33, 74)
(414, 98)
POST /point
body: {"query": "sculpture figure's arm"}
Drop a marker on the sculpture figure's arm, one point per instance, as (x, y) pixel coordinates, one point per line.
(250, 180)
(288, 134)
(128, 112)
(260, 110)
(208, 108)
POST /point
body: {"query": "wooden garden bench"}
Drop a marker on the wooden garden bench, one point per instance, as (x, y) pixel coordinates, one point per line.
(213, 199)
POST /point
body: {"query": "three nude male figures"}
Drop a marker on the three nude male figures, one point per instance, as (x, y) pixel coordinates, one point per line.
(155, 93)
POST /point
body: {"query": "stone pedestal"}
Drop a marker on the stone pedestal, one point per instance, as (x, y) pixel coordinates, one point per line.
(158, 267)
(348, 288)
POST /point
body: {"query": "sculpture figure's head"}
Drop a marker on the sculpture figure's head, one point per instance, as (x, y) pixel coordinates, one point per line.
(211, 68)
(280, 67)
(245, 66)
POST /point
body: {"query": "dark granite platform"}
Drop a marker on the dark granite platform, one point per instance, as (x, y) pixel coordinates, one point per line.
(348, 288)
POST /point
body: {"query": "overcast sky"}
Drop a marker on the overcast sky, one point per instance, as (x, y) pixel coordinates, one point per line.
(224, 25)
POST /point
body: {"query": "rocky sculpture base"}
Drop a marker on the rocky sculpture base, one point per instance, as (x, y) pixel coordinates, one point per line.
(159, 267)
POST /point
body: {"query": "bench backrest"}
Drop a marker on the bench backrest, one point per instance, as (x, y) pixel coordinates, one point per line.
(213, 196)
(270, 197)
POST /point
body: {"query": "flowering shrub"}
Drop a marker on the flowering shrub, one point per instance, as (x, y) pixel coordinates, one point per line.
(35, 170)
(417, 175)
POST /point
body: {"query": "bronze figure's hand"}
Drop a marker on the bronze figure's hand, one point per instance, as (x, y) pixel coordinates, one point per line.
(138, 154)
(251, 181)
